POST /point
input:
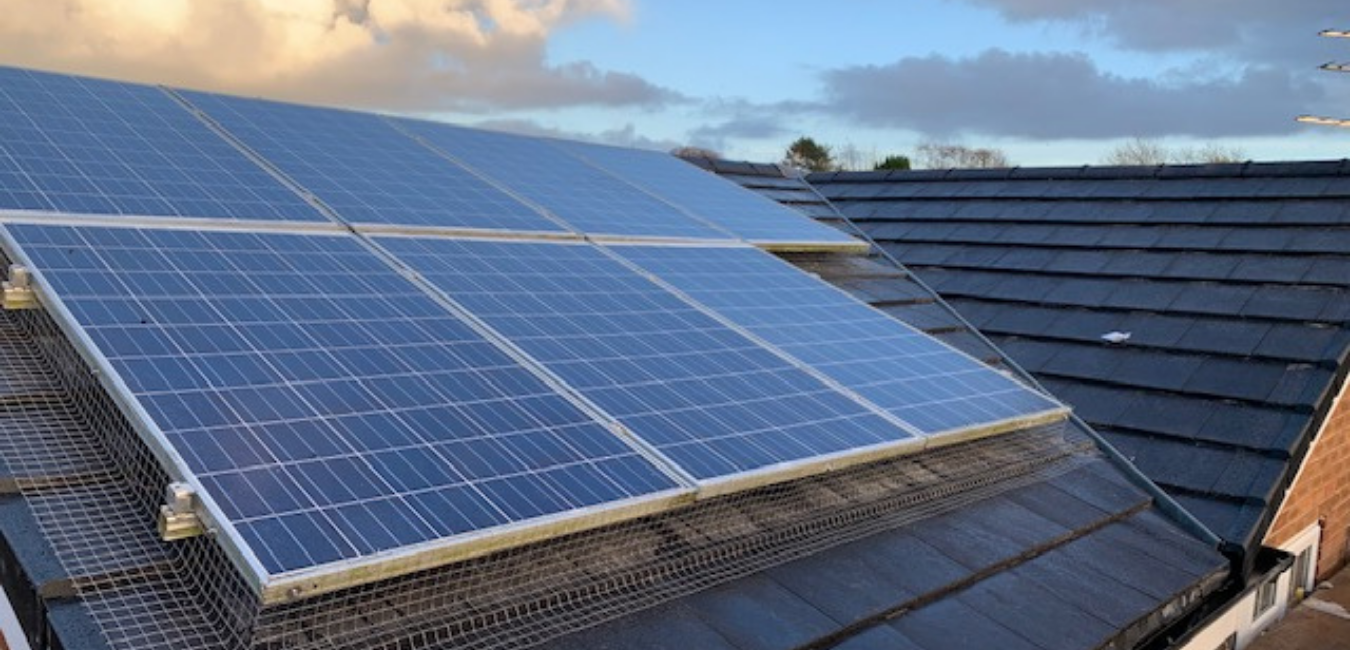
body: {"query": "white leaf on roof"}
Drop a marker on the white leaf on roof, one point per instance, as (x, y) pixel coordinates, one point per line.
(1116, 337)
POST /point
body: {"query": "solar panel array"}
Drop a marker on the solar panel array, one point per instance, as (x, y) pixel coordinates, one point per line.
(342, 398)
(331, 408)
(713, 401)
(931, 386)
(589, 199)
(747, 214)
(365, 170)
(87, 146)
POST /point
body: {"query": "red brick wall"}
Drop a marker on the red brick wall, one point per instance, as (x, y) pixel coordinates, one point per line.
(1322, 491)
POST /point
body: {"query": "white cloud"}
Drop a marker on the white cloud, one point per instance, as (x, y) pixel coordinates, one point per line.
(397, 54)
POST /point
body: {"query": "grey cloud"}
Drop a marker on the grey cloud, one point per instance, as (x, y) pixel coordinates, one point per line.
(1249, 30)
(628, 136)
(750, 127)
(1059, 95)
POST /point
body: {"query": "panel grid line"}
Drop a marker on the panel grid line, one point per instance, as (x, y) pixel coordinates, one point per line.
(399, 125)
(306, 463)
(93, 146)
(717, 403)
(933, 387)
(727, 322)
(750, 217)
(364, 169)
(588, 199)
(252, 155)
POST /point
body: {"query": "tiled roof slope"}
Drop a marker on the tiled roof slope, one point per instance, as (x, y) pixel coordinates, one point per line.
(1045, 516)
(1232, 281)
(996, 571)
(1079, 561)
(967, 533)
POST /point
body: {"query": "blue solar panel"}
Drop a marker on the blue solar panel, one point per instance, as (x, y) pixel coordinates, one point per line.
(716, 200)
(329, 407)
(912, 376)
(365, 169)
(98, 147)
(715, 402)
(591, 200)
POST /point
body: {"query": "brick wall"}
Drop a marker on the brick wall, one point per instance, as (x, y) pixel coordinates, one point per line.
(1322, 491)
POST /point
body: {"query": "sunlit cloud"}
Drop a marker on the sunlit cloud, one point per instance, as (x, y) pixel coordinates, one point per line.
(464, 55)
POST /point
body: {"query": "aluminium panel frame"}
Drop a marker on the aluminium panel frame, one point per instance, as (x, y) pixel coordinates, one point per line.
(332, 576)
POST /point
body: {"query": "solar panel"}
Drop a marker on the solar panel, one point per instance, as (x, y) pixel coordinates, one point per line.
(909, 374)
(716, 403)
(365, 169)
(87, 146)
(329, 408)
(591, 200)
(716, 200)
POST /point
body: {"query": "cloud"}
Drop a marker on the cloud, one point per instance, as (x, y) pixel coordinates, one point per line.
(744, 127)
(1249, 30)
(623, 136)
(466, 55)
(1063, 95)
(729, 119)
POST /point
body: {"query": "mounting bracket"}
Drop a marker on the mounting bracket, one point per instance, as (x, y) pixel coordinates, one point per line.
(18, 289)
(178, 518)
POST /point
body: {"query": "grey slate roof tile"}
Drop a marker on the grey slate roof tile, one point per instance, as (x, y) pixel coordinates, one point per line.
(845, 586)
(1024, 607)
(981, 259)
(880, 637)
(931, 628)
(1239, 271)
(757, 613)
(923, 567)
(669, 627)
(1240, 338)
(1110, 600)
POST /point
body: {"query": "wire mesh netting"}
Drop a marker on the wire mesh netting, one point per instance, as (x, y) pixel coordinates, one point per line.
(95, 488)
(534, 593)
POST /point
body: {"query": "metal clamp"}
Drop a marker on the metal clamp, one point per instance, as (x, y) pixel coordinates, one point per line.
(18, 289)
(178, 518)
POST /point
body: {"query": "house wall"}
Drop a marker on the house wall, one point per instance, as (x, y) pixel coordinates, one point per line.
(1242, 622)
(11, 634)
(1321, 493)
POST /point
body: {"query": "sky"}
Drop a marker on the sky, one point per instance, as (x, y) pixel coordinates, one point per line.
(1050, 82)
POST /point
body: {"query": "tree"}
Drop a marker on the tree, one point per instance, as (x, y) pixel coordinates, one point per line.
(1139, 151)
(936, 155)
(806, 153)
(852, 159)
(1212, 152)
(893, 162)
(1143, 151)
(695, 152)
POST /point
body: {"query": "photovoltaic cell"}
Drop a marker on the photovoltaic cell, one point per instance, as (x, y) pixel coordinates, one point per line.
(80, 145)
(589, 199)
(713, 401)
(716, 200)
(329, 407)
(907, 373)
(365, 169)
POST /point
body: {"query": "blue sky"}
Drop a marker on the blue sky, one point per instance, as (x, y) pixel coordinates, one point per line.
(1047, 81)
(769, 53)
